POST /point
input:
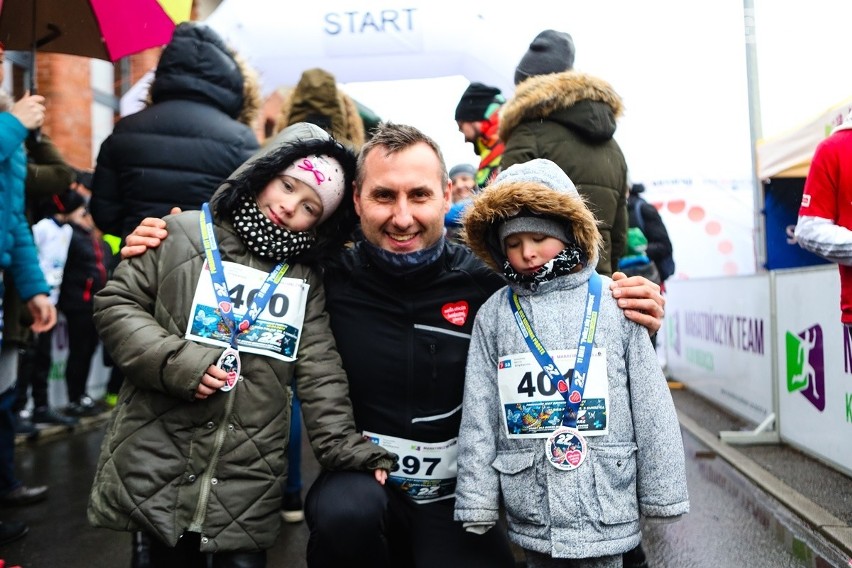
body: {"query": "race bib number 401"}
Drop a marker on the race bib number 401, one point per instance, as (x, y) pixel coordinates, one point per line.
(533, 407)
(277, 329)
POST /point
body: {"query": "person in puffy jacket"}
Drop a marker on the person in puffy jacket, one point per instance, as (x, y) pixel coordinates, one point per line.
(194, 132)
(577, 440)
(210, 330)
(569, 117)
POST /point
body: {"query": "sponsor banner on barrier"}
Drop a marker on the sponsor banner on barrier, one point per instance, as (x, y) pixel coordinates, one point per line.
(718, 341)
(814, 365)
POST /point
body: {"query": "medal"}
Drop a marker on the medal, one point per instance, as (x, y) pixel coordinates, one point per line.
(230, 363)
(566, 449)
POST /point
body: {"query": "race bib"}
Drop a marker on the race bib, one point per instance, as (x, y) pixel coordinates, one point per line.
(276, 331)
(533, 408)
(425, 472)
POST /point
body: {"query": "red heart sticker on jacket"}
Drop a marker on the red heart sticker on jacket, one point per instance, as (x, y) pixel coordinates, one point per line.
(574, 457)
(456, 312)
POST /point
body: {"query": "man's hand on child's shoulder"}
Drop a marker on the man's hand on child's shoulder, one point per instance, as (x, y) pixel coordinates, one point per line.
(640, 299)
(149, 234)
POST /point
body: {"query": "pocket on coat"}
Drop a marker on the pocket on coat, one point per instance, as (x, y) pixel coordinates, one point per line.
(614, 467)
(519, 484)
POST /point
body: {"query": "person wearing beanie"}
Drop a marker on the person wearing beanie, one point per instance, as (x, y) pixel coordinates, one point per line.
(533, 228)
(570, 118)
(549, 52)
(405, 282)
(210, 330)
(478, 118)
(462, 187)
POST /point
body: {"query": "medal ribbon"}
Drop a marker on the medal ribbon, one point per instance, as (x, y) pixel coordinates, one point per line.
(220, 286)
(573, 392)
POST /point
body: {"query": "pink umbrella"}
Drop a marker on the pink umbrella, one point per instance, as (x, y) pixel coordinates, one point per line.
(103, 29)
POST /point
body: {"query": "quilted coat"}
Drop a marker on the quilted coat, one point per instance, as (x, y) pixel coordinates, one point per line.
(170, 463)
(636, 469)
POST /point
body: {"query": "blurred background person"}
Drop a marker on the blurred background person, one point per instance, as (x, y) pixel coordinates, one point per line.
(463, 187)
(569, 118)
(317, 100)
(478, 118)
(18, 260)
(89, 260)
(645, 216)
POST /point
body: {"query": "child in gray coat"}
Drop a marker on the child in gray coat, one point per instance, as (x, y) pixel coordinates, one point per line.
(567, 417)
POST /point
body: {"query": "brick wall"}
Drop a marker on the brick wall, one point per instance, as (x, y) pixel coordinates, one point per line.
(64, 81)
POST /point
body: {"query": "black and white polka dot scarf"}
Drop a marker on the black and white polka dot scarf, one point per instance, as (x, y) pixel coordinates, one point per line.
(562, 264)
(265, 238)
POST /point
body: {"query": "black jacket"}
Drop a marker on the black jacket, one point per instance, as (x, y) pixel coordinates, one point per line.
(659, 245)
(404, 358)
(86, 269)
(178, 150)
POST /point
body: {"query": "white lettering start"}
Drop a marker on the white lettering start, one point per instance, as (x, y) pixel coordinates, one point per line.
(382, 21)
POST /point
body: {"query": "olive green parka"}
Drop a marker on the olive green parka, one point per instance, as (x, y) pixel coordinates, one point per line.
(170, 463)
(570, 118)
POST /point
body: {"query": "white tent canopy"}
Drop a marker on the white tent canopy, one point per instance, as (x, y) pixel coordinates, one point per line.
(789, 154)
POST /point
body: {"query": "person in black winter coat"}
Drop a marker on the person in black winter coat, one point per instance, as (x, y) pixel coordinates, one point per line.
(659, 244)
(192, 135)
(89, 260)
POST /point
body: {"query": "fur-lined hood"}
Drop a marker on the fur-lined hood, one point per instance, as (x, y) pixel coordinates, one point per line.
(316, 99)
(505, 199)
(582, 102)
(198, 65)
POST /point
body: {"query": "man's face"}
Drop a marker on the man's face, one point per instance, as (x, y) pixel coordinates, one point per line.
(2, 66)
(470, 130)
(462, 185)
(402, 201)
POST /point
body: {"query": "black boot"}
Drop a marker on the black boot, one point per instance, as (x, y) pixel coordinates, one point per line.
(141, 557)
(635, 558)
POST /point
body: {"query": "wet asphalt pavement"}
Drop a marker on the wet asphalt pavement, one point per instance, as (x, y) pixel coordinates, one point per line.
(732, 523)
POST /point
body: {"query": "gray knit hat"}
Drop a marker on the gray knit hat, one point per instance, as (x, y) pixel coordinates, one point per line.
(549, 175)
(462, 169)
(549, 52)
(528, 223)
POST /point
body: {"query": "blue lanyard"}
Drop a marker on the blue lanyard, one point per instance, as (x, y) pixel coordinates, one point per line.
(573, 392)
(220, 286)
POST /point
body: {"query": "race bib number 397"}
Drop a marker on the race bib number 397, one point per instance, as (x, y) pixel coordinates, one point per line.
(426, 472)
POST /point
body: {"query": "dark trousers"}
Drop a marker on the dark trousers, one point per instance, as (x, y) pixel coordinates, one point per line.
(352, 518)
(34, 370)
(294, 450)
(187, 555)
(8, 481)
(82, 342)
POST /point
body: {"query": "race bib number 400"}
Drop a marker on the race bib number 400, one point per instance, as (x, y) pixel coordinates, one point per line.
(425, 472)
(533, 407)
(275, 332)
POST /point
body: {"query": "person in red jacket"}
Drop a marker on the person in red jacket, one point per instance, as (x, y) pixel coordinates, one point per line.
(825, 216)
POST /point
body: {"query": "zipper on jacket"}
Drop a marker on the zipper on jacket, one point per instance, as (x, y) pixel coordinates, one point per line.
(99, 259)
(433, 351)
(87, 290)
(204, 496)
